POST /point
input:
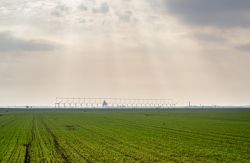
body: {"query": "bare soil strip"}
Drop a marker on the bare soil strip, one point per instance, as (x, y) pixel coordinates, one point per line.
(28, 145)
(57, 146)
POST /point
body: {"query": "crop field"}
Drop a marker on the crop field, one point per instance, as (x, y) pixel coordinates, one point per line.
(125, 136)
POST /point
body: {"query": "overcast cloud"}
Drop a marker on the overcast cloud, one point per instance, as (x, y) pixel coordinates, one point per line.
(188, 50)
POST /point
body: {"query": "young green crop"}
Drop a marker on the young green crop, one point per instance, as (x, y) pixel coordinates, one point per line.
(125, 136)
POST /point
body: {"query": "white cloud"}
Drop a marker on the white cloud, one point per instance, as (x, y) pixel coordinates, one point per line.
(103, 8)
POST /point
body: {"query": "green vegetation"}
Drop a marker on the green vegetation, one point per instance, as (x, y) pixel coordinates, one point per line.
(125, 136)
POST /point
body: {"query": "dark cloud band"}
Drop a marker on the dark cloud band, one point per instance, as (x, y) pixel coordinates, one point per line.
(10, 43)
(219, 13)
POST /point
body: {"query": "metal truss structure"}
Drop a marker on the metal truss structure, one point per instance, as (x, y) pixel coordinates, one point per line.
(62, 102)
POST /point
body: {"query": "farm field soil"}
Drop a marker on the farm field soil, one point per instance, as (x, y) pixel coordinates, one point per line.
(125, 136)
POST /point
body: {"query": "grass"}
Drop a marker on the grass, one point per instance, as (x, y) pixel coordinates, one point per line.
(125, 136)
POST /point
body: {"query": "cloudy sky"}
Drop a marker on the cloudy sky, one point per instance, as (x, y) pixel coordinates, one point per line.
(197, 50)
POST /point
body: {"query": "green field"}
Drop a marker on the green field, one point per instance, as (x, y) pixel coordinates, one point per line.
(125, 136)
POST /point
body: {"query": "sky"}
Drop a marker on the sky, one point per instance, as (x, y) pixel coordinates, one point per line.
(186, 50)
